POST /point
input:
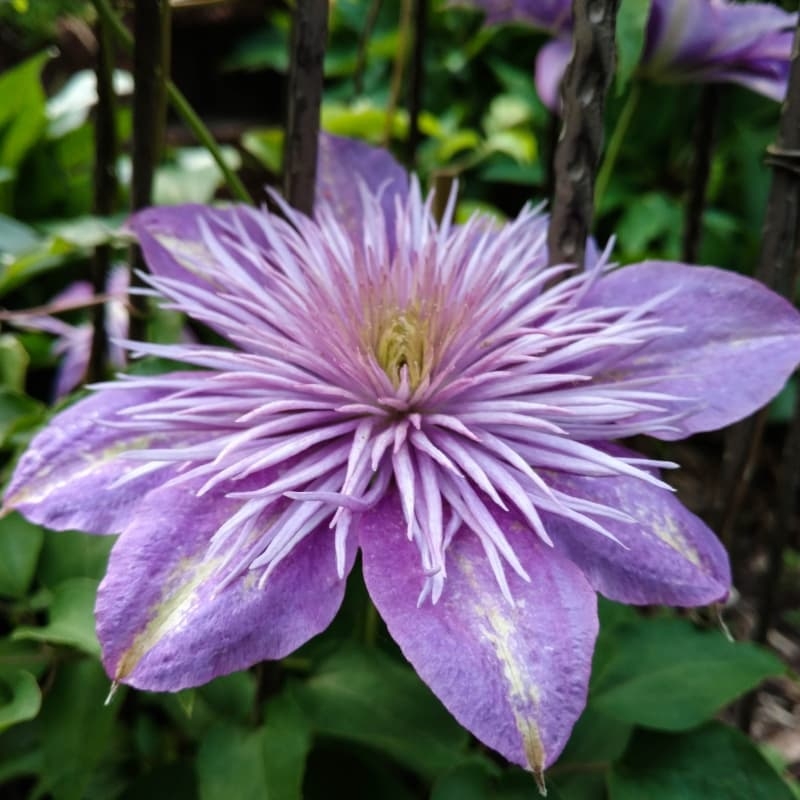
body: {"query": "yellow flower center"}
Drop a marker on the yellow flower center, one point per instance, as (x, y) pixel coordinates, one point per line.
(402, 341)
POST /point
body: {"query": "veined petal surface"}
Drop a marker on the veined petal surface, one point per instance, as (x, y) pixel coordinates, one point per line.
(75, 474)
(173, 613)
(738, 345)
(665, 555)
(346, 168)
(514, 674)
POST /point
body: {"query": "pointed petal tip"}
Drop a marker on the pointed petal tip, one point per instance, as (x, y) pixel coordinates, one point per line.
(717, 609)
(538, 776)
(111, 692)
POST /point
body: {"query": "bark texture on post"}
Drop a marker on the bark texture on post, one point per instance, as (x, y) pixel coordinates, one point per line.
(105, 188)
(703, 149)
(416, 78)
(148, 97)
(149, 22)
(583, 94)
(779, 268)
(309, 37)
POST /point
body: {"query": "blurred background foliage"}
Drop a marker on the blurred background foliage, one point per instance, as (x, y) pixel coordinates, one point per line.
(346, 716)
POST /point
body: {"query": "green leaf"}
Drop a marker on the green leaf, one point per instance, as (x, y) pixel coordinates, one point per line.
(714, 762)
(70, 554)
(468, 782)
(231, 696)
(48, 255)
(14, 361)
(631, 26)
(21, 698)
(76, 728)
(666, 674)
(506, 111)
(15, 236)
(193, 177)
(286, 742)
(20, 545)
(647, 221)
(71, 618)
(230, 764)
(267, 146)
(596, 737)
(22, 109)
(364, 120)
(27, 656)
(365, 696)
(519, 144)
(173, 781)
(86, 231)
(17, 412)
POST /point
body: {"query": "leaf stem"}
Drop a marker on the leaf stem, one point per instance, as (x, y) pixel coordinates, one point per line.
(615, 144)
(180, 104)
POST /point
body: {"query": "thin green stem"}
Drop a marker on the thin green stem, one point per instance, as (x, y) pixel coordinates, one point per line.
(180, 104)
(615, 144)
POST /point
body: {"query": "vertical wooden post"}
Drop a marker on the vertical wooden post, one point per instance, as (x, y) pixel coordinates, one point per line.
(309, 38)
(105, 187)
(583, 94)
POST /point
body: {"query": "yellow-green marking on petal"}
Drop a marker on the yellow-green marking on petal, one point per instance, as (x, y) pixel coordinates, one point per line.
(169, 614)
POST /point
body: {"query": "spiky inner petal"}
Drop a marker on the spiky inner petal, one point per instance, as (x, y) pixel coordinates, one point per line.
(449, 368)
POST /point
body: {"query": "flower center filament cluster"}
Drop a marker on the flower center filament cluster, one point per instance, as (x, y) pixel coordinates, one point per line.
(447, 367)
(402, 346)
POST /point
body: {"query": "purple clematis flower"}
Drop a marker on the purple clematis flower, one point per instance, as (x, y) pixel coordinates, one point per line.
(698, 41)
(429, 394)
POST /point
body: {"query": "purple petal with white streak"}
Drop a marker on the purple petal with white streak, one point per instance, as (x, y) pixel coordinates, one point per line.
(739, 344)
(515, 675)
(666, 556)
(66, 478)
(172, 614)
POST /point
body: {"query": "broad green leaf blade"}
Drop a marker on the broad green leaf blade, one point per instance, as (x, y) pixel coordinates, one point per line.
(20, 544)
(470, 782)
(14, 362)
(364, 696)
(76, 728)
(631, 25)
(596, 737)
(229, 697)
(71, 619)
(15, 236)
(17, 412)
(22, 109)
(70, 554)
(666, 674)
(23, 698)
(714, 762)
(230, 764)
(286, 742)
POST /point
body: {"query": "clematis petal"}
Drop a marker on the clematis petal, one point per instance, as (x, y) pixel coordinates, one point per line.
(170, 615)
(515, 675)
(203, 247)
(551, 62)
(345, 168)
(668, 556)
(76, 349)
(71, 475)
(737, 334)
